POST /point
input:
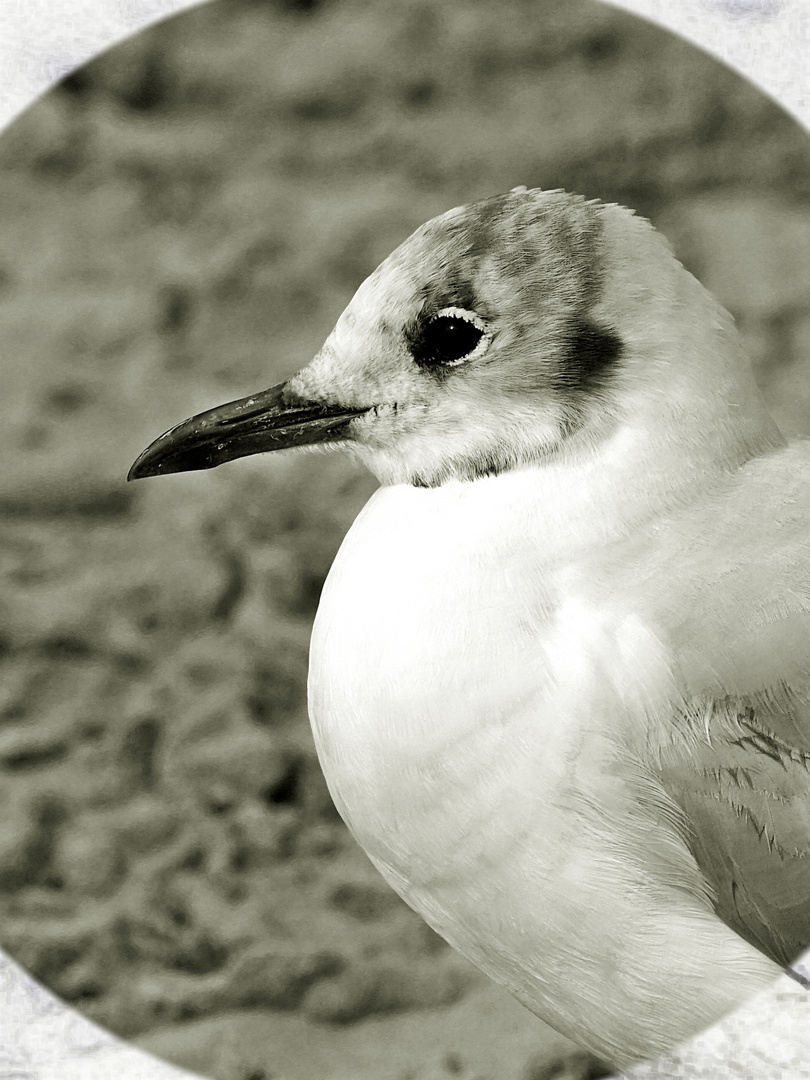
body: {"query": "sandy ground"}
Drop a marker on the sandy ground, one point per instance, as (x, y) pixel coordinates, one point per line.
(182, 221)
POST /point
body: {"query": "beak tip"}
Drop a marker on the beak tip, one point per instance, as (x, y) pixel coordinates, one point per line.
(152, 465)
(136, 474)
(143, 466)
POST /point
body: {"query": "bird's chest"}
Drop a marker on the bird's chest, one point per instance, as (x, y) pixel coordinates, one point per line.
(456, 696)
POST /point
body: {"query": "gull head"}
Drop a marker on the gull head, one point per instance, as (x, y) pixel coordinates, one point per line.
(528, 329)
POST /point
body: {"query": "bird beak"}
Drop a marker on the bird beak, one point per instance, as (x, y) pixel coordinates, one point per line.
(273, 420)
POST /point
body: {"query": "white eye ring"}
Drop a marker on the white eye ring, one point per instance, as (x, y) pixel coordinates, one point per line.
(477, 322)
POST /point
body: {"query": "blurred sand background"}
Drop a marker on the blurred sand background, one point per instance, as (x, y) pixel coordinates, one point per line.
(182, 221)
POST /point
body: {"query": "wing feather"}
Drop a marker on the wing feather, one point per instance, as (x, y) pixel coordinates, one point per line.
(745, 793)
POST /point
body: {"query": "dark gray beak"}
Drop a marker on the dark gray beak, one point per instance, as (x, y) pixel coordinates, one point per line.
(272, 420)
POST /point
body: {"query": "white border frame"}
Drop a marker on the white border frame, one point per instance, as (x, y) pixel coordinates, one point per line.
(40, 41)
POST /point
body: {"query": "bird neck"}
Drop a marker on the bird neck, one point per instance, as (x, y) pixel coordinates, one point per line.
(645, 469)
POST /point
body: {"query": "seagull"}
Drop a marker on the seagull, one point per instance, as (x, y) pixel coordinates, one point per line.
(560, 670)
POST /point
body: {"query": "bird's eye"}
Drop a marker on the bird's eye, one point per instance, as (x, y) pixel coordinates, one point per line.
(450, 337)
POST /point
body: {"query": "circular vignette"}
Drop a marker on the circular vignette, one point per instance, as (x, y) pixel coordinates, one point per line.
(156, 282)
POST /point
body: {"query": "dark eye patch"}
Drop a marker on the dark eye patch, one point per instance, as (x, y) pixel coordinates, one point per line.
(590, 355)
(446, 338)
